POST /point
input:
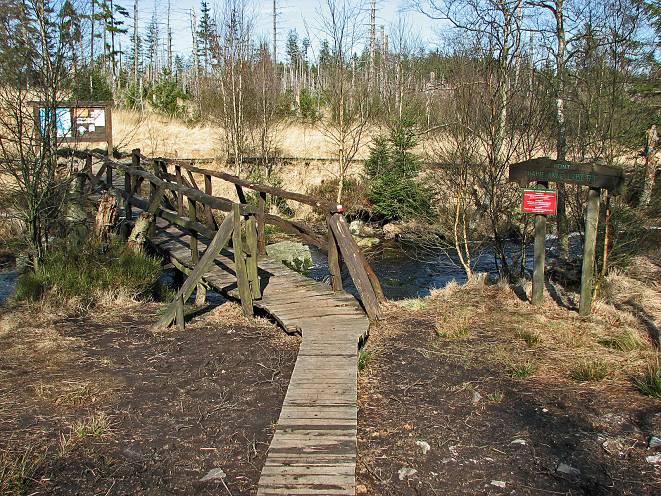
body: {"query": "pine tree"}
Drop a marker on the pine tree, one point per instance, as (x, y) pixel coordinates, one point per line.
(205, 35)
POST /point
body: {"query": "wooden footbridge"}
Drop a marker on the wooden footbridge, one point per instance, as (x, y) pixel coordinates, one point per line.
(313, 450)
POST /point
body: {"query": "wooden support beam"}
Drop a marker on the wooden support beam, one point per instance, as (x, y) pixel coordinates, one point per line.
(334, 265)
(180, 195)
(218, 242)
(245, 293)
(208, 189)
(356, 263)
(261, 233)
(181, 324)
(251, 261)
(539, 255)
(587, 273)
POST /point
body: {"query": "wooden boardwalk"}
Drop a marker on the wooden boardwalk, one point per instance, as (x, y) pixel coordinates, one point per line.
(313, 450)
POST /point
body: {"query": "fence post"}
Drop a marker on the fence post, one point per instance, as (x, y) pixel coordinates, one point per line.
(240, 264)
(108, 175)
(334, 267)
(201, 290)
(208, 189)
(253, 272)
(155, 169)
(261, 216)
(589, 247)
(180, 195)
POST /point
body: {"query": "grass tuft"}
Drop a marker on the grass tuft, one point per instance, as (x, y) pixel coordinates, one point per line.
(627, 341)
(531, 338)
(17, 471)
(650, 382)
(590, 370)
(523, 369)
(94, 426)
(364, 358)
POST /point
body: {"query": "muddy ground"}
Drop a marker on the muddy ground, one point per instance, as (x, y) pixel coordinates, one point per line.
(441, 415)
(102, 405)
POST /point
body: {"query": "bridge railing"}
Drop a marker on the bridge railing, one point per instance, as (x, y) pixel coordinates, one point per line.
(178, 185)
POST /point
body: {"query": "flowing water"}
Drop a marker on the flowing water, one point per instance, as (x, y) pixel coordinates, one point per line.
(405, 273)
(7, 284)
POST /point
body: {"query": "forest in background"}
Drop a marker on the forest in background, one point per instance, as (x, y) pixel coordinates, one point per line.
(510, 80)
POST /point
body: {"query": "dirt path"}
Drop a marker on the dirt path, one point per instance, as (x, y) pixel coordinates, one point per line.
(104, 406)
(441, 416)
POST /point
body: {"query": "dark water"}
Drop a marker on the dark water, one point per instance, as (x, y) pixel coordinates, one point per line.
(405, 272)
(7, 284)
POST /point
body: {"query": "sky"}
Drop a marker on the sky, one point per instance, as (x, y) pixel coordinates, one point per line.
(299, 15)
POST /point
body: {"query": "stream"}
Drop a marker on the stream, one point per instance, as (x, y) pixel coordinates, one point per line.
(404, 273)
(7, 284)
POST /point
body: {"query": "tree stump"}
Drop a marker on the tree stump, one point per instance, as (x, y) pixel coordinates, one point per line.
(140, 232)
(106, 217)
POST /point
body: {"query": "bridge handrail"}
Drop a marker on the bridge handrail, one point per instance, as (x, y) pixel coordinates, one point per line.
(339, 244)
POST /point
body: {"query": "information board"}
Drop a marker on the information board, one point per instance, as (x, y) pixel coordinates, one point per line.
(540, 201)
(78, 122)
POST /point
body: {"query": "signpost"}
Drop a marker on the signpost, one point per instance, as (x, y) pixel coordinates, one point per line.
(544, 202)
(78, 122)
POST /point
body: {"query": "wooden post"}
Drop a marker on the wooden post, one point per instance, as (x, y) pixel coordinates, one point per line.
(208, 189)
(539, 255)
(591, 221)
(261, 226)
(128, 213)
(334, 267)
(108, 123)
(201, 290)
(180, 195)
(181, 324)
(108, 175)
(245, 292)
(156, 167)
(538, 264)
(253, 272)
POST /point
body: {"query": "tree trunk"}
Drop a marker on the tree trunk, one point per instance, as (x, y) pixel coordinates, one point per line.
(650, 166)
(106, 217)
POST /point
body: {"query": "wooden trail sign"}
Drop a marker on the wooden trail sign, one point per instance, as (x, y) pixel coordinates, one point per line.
(596, 177)
(564, 171)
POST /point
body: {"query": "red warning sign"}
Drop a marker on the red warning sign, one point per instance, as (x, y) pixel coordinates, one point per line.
(540, 201)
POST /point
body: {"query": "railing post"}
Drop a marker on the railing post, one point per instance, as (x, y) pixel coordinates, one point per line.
(201, 290)
(155, 168)
(261, 217)
(334, 267)
(180, 195)
(245, 292)
(253, 272)
(108, 175)
(208, 189)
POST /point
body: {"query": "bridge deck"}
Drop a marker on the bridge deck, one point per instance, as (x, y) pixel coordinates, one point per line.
(313, 450)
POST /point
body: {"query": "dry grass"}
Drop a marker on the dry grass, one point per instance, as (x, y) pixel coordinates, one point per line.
(480, 323)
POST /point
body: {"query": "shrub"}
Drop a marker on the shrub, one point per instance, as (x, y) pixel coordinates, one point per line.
(391, 170)
(90, 84)
(89, 271)
(165, 95)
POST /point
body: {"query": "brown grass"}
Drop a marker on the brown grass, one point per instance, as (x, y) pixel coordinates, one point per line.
(544, 343)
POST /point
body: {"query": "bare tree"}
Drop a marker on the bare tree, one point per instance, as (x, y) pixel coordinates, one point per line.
(341, 23)
(37, 38)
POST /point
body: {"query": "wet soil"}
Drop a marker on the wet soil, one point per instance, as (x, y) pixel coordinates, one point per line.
(105, 406)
